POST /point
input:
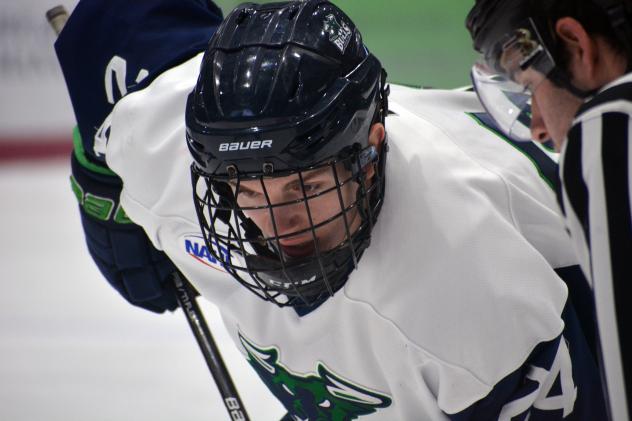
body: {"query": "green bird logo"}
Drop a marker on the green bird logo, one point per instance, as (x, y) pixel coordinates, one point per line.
(321, 396)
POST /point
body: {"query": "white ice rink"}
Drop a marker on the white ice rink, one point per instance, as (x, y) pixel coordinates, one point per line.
(70, 347)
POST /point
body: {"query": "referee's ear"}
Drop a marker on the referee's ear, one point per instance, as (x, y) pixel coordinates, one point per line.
(592, 61)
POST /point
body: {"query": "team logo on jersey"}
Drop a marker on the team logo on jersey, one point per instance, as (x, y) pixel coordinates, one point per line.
(323, 395)
(339, 33)
(195, 247)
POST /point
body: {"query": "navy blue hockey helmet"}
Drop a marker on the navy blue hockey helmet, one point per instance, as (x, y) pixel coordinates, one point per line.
(286, 90)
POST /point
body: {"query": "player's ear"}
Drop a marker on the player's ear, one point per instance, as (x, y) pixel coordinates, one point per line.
(377, 134)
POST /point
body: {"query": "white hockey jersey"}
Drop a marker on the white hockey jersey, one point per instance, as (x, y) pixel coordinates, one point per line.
(452, 296)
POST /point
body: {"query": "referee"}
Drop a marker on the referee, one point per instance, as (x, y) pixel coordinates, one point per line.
(561, 71)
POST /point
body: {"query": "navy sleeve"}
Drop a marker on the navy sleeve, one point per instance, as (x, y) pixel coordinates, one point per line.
(559, 380)
(107, 49)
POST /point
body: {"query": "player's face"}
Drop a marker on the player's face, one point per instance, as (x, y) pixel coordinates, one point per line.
(552, 108)
(291, 217)
(324, 220)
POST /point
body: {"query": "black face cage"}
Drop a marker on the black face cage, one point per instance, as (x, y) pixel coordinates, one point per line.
(258, 262)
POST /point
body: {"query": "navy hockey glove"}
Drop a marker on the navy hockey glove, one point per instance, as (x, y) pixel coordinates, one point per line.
(120, 248)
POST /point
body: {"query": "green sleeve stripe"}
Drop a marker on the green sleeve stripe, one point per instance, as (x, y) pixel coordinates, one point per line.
(121, 217)
(80, 154)
(76, 189)
(529, 154)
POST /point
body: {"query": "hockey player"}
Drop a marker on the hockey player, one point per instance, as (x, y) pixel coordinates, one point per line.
(560, 70)
(421, 288)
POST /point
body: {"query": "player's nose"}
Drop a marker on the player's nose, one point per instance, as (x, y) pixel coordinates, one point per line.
(289, 218)
(539, 132)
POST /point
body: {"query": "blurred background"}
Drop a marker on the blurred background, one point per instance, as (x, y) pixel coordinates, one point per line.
(422, 43)
(70, 347)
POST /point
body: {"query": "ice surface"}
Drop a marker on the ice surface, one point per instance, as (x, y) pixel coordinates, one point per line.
(70, 347)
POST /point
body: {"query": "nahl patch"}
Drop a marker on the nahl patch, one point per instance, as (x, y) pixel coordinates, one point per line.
(339, 33)
(245, 146)
(195, 246)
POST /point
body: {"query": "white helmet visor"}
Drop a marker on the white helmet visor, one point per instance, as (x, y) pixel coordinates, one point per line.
(508, 74)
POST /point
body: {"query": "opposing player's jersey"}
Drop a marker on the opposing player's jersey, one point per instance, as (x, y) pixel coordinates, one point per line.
(454, 311)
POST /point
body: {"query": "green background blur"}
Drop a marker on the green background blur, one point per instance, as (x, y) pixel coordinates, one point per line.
(420, 42)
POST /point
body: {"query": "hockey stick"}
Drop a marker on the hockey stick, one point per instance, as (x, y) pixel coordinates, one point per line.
(212, 356)
(57, 17)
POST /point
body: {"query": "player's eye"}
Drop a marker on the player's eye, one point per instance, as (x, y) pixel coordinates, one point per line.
(311, 188)
(249, 194)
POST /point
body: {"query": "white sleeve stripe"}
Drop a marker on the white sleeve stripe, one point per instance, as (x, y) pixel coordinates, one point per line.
(601, 234)
(575, 198)
(601, 271)
(616, 240)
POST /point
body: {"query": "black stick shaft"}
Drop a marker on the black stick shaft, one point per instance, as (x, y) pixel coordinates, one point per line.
(209, 348)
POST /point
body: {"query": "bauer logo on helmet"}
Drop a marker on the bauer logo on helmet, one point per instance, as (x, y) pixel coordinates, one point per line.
(245, 146)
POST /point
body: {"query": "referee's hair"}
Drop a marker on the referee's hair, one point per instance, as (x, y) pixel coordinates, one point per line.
(589, 13)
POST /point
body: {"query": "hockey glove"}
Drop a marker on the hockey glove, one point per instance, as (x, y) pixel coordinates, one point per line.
(120, 248)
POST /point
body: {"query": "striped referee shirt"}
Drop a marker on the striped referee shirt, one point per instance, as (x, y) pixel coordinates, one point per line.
(596, 176)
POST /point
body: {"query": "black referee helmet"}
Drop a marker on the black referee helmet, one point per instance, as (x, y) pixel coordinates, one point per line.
(518, 35)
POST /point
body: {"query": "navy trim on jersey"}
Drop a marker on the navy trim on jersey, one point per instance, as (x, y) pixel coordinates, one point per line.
(581, 296)
(616, 185)
(588, 405)
(546, 167)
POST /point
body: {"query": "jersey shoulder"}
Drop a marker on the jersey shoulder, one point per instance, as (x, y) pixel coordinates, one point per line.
(462, 120)
(147, 148)
(446, 245)
(449, 130)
